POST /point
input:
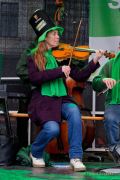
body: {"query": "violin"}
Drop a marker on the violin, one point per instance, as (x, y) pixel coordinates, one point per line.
(79, 53)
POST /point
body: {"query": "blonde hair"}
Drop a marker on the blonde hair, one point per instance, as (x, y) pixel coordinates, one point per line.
(39, 57)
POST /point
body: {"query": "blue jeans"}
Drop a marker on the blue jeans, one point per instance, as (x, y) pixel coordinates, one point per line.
(112, 125)
(51, 129)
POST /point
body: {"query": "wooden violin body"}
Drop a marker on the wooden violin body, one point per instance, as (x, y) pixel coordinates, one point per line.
(65, 50)
(83, 52)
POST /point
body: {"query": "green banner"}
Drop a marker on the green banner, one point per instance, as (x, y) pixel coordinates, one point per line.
(104, 18)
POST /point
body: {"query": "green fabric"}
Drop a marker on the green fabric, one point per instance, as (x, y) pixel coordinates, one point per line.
(98, 84)
(116, 76)
(43, 36)
(21, 68)
(106, 72)
(32, 51)
(55, 87)
(23, 157)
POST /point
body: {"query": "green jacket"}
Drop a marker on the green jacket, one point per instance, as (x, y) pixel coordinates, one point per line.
(22, 69)
(105, 72)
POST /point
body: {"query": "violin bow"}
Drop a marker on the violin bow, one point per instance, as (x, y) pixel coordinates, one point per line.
(105, 90)
(75, 41)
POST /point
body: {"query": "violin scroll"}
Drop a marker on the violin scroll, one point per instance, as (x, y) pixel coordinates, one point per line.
(109, 55)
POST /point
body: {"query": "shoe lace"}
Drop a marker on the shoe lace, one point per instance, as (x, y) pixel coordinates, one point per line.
(77, 160)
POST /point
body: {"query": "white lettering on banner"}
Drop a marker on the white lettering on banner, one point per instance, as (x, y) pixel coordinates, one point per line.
(115, 4)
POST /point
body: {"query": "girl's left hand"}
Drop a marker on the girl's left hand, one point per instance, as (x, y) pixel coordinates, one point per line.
(98, 55)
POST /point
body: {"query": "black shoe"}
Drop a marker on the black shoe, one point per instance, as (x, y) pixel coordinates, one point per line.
(115, 154)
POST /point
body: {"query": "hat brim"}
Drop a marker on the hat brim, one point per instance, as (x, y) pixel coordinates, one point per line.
(43, 36)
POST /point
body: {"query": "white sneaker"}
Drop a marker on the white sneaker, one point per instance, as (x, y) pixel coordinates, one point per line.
(77, 165)
(37, 162)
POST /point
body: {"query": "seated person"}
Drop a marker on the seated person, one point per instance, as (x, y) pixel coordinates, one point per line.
(50, 101)
(109, 79)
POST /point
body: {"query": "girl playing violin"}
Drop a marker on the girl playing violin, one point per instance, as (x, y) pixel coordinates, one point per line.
(50, 102)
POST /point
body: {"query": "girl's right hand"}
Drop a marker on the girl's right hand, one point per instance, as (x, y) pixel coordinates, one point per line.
(66, 70)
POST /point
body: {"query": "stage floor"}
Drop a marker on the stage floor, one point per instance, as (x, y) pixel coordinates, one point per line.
(62, 171)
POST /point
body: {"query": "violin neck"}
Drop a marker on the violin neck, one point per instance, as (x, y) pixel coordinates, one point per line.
(85, 50)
